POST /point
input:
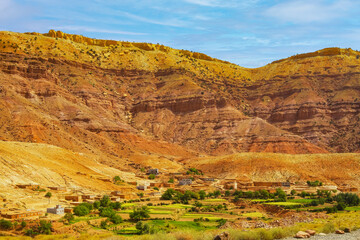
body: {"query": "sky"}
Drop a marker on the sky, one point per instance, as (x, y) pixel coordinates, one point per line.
(250, 33)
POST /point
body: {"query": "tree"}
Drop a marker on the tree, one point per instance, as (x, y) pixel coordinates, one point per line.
(96, 204)
(140, 195)
(171, 180)
(202, 194)
(48, 195)
(107, 212)
(5, 225)
(115, 205)
(116, 219)
(142, 228)
(140, 213)
(217, 193)
(69, 217)
(105, 201)
(168, 194)
(227, 193)
(152, 176)
(23, 224)
(117, 179)
(81, 210)
(45, 227)
(293, 192)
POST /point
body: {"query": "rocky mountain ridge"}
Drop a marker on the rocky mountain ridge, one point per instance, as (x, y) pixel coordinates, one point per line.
(132, 100)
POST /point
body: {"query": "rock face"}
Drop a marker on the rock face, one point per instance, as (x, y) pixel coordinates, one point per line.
(124, 98)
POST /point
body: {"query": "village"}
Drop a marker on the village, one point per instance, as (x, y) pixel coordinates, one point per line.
(151, 186)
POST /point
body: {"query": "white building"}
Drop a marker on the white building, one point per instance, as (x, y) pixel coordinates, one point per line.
(56, 210)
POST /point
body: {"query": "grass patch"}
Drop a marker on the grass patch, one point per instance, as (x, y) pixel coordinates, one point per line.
(253, 215)
(282, 203)
(356, 208)
(215, 200)
(303, 200)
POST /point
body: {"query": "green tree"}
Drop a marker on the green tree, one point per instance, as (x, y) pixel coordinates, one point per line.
(69, 217)
(97, 204)
(81, 210)
(23, 224)
(171, 180)
(168, 194)
(105, 201)
(107, 212)
(116, 219)
(293, 192)
(152, 176)
(140, 213)
(48, 195)
(202, 194)
(45, 227)
(5, 225)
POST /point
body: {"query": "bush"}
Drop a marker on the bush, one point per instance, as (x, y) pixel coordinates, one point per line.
(140, 213)
(107, 212)
(23, 224)
(105, 201)
(69, 217)
(116, 219)
(45, 227)
(152, 176)
(5, 225)
(81, 210)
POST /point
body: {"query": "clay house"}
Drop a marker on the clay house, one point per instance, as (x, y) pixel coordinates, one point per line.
(208, 179)
(156, 184)
(115, 199)
(88, 196)
(69, 210)
(56, 210)
(154, 171)
(132, 183)
(57, 188)
(142, 187)
(126, 196)
(28, 186)
(185, 181)
(73, 198)
(19, 214)
(169, 185)
(155, 194)
(116, 193)
(231, 185)
(285, 184)
(268, 184)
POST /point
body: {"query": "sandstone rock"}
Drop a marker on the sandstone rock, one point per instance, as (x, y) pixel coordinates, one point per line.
(302, 234)
(322, 234)
(311, 232)
(222, 236)
(339, 232)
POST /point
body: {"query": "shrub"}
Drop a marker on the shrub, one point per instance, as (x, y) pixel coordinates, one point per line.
(105, 201)
(152, 176)
(81, 210)
(139, 213)
(107, 212)
(5, 225)
(116, 219)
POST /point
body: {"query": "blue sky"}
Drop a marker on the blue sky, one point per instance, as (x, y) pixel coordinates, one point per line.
(250, 33)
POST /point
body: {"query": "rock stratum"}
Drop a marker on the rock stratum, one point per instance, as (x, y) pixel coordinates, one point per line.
(151, 105)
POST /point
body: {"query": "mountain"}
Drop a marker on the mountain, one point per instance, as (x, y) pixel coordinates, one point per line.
(132, 105)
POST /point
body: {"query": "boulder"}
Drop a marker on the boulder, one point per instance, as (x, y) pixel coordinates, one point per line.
(302, 234)
(311, 232)
(322, 234)
(339, 232)
(222, 236)
(347, 230)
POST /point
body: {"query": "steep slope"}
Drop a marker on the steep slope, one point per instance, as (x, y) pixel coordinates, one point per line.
(128, 100)
(338, 169)
(47, 165)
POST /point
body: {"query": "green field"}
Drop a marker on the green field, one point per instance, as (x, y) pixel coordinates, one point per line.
(215, 200)
(253, 215)
(282, 203)
(356, 208)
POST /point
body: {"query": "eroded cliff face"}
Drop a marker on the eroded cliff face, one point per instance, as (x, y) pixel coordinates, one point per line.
(137, 101)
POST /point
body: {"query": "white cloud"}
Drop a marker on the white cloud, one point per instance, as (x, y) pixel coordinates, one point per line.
(308, 11)
(95, 30)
